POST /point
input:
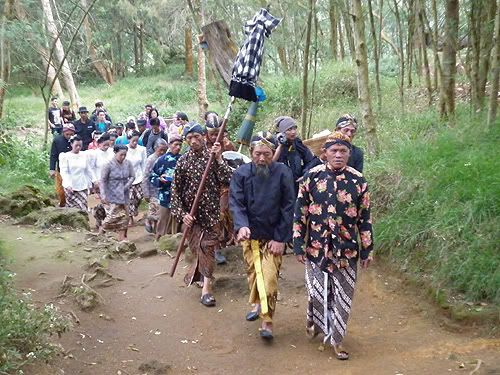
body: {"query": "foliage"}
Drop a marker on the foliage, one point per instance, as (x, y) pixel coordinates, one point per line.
(437, 206)
(25, 330)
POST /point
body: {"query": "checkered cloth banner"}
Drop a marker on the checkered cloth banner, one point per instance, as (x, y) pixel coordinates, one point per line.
(246, 67)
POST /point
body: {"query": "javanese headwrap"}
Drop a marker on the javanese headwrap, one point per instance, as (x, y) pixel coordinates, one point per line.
(337, 138)
(192, 127)
(346, 120)
(263, 138)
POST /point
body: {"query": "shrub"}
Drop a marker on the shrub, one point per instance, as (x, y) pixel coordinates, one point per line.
(24, 329)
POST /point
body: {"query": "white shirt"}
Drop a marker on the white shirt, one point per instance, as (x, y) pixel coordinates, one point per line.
(98, 159)
(137, 157)
(76, 172)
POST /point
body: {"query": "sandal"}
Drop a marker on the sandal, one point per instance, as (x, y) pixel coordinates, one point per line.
(253, 315)
(340, 354)
(311, 332)
(207, 300)
(266, 334)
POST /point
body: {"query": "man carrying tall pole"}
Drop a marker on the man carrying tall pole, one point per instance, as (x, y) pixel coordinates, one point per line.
(202, 236)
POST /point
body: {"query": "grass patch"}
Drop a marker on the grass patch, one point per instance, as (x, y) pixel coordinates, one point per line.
(25, 330)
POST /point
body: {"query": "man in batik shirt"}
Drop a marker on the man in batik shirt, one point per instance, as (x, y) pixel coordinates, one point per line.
(261, 200)
(332, 209)
(203, 227)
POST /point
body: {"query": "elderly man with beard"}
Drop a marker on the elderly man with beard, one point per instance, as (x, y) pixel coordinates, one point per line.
(261, 200)
(203, 227)
(333, 208)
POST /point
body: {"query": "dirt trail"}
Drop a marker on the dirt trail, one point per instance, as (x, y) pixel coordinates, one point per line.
(146, 318)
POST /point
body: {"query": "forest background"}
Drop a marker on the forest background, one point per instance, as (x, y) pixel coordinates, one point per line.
(421, 76)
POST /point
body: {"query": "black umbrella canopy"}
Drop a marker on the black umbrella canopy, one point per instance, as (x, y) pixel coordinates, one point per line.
(246, 67)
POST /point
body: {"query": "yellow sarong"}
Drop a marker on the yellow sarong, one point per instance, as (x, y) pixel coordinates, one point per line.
(262, 271)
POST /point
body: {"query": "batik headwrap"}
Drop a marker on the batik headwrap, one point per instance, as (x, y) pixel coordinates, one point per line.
(192, 127)
(337, 138)
(346, 120)
(263, 138)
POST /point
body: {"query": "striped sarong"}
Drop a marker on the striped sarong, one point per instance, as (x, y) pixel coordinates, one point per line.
(135, 198)
(77, 199)
(330, 299)
(116, 217)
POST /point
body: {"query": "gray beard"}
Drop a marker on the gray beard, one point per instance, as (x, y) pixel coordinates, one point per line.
(262, 171)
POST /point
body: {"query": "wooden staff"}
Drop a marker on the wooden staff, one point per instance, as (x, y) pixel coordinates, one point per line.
(196, 202)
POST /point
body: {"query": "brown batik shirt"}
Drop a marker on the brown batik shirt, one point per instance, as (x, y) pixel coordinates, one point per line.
(187, 178)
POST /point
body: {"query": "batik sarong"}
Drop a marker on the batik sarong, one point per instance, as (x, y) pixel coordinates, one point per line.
(135, 198)
(77, 199)
(99, 213)
(226, 236)
(330, 299)
(116, 217)
(202, 244)
(262, 273)
(61, 195)
(153, 209)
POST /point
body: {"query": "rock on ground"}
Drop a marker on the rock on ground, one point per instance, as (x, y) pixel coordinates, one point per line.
(48, 216)
(23, 201)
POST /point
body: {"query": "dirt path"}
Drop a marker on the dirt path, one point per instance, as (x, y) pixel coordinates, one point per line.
(146, 318)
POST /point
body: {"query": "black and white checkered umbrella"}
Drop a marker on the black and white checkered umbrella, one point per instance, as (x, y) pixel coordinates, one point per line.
(246, 67)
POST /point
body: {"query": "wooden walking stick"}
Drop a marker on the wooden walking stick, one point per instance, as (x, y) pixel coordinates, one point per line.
(196, 202)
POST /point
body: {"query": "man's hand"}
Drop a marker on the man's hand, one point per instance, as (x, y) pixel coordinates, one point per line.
(188, 220)
(243, 234)
(276, 248)
(52, 174)
(301, 258)
(365, 263)
(217, 150)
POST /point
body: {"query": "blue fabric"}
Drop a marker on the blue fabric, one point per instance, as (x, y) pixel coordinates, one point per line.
(122, 140)
(165, 165)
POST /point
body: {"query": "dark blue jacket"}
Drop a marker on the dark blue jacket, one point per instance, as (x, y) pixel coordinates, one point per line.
(264, 206)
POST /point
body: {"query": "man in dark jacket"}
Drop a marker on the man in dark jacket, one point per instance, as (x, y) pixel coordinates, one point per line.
(150, 136)
(291, 151)
(84, 127)
(262, 199)
(348, 125)
(60, 144)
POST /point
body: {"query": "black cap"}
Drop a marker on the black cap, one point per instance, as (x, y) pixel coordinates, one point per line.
(141, 122)
(66, 102)
(82, 109)
(118, 125)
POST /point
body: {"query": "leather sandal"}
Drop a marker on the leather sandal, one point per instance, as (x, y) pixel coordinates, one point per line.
(340, 354)
(207, 300)
(266, 334)
(253, 315)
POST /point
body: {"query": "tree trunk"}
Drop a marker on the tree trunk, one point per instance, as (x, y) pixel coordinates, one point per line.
(423, 45)
(333, 29)
(102, 68)
(5, 64)
(136, 50)
(487, 32)
(375, 55)
(58, 50)
(51, 72)
(495, 70)
(283, 59)
(447, 94)
(435, 38)
(120, 69)
(363, 81)
(188, 50)
(348, 31)
(141, 45)
(305, 73)
(341, 42)
(401, 58)
(409, 42)
(474, 52)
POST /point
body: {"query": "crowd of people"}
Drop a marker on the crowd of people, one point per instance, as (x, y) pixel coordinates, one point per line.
(285, 197)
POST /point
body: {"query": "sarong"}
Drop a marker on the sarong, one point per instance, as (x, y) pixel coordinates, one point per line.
(154, 209)
(330, 299)
(135, 198)
(99, 213)
(226, 221)
(77, 199)
(202, 244)
(262, 273)
(59, 189)
(116, 217)
(167, 223)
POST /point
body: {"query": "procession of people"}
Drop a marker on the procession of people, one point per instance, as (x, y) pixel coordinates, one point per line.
(284, 197)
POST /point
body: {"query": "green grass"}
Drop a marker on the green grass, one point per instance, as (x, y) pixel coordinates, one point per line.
(25, 330)
(435, 189)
